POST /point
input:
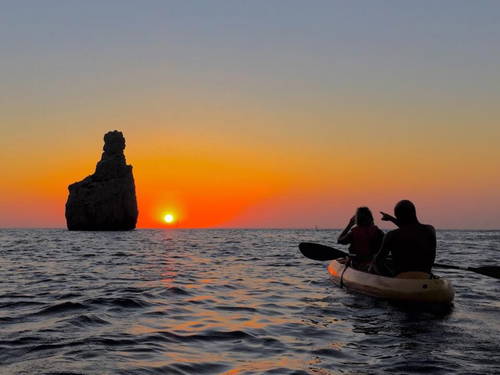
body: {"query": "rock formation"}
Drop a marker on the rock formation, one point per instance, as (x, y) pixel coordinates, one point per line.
(105, 200)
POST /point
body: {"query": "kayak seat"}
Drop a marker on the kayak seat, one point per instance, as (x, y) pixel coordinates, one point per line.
(413, 275)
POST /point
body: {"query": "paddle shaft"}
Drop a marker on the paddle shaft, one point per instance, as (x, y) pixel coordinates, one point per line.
(449, 266)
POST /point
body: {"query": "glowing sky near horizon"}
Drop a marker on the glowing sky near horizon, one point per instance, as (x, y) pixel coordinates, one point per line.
(254, 114)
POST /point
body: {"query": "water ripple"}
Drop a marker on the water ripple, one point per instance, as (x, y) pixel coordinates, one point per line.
(228, 302)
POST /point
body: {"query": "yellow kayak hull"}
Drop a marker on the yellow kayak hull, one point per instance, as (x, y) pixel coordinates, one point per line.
(407, 289)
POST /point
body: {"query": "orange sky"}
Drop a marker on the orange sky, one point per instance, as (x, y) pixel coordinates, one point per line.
(221, 180)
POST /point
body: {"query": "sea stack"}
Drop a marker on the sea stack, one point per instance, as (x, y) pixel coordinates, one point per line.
(106, 199)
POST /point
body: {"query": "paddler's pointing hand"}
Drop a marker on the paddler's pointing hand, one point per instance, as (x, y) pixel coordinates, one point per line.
(386, 216)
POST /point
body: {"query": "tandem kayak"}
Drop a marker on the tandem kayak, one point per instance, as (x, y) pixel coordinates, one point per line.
(413, 288)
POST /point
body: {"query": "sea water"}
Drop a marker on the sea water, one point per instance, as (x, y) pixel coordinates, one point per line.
(229, 302)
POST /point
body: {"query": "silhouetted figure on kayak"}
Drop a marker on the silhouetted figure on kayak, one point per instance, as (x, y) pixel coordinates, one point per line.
(364, 238)
(412, 246)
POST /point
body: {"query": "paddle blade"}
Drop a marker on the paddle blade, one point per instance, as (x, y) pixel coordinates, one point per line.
(491, 271)
(316, 251)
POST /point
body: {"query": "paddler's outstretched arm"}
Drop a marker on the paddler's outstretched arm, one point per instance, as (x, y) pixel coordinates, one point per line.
(344, 237)
(387, 217)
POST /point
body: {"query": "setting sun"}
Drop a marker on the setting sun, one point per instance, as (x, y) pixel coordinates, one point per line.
(169, 218)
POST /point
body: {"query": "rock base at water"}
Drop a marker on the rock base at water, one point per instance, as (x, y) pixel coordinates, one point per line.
(106, 199)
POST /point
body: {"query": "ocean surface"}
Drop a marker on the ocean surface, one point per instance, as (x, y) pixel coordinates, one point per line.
(229, 302)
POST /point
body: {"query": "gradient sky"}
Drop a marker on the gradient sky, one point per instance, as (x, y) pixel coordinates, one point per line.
(255, 113)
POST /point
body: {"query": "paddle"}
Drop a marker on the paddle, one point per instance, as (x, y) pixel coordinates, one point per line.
(316, 251)
(491, 271)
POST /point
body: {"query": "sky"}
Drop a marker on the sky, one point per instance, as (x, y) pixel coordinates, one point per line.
(255, 114)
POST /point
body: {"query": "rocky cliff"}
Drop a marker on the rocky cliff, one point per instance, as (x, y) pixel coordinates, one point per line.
(105, 200)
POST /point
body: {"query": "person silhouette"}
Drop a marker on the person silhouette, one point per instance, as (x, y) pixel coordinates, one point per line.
(412, 245)
(363, 236)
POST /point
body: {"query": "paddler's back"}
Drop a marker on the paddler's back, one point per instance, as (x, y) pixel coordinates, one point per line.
(413, 247)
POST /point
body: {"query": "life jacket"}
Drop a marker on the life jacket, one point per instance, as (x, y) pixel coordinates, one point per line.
(365, 241)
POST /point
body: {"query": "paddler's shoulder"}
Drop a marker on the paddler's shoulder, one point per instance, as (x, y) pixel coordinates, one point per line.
(429, 228)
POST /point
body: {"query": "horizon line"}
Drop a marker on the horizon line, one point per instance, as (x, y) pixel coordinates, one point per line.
(232, 228)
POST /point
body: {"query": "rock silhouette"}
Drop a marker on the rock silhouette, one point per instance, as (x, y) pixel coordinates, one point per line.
(106, 199)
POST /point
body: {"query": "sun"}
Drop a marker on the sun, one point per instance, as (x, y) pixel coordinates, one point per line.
(169, 218)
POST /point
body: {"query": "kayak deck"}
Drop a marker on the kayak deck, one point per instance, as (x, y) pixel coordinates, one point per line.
(415, 290)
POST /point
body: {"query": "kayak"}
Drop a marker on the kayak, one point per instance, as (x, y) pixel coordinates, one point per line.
(410, 287)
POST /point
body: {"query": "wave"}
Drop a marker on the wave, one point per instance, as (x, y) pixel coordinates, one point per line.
(87, 320)
(131, 302)
(147, 302)
(61, 308)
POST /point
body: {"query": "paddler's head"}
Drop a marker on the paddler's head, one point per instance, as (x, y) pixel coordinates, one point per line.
(405, 212)
(364, 217)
